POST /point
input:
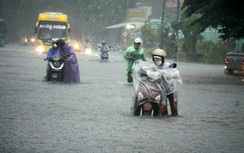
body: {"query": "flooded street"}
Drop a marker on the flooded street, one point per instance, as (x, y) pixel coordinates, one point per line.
(94, 116)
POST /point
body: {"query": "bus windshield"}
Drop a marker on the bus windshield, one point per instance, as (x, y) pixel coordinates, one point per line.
(50, 30)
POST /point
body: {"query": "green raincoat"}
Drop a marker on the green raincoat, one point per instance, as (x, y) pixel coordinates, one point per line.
(138, 54)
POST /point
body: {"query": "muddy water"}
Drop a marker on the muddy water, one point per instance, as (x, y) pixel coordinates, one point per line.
(94, 116)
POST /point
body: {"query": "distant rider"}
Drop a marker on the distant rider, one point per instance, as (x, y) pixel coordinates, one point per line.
(131, 54)
(104, 47)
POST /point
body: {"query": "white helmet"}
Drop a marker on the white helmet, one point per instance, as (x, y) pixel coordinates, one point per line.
(138, 40)
(159, 53)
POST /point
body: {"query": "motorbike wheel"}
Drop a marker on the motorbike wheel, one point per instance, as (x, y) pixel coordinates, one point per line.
(156, 110)
(135, 108)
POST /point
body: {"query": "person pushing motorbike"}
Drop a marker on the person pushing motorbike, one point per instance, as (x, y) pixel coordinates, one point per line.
(71, 68)
(133, 53)
(159, 57)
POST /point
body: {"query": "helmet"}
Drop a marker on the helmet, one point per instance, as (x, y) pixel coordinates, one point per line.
(103, 42)
(138, 40)
(60, 43)
(159, 53)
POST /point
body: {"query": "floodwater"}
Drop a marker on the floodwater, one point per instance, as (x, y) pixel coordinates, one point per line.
(94, 116)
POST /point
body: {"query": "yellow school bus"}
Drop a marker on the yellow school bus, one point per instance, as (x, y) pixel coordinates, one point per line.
(50, 26)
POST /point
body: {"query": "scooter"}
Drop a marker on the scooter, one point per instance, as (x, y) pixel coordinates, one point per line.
(55, 68)
(104, 52)
(23, 41)
(150, 95)
(104, 56)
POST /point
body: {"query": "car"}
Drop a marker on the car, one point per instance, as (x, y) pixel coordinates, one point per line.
(234, 62)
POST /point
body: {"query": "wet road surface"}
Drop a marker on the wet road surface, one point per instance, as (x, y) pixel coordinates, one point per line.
(94, 116)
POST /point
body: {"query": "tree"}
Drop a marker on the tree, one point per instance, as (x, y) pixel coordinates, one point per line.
(225, 15)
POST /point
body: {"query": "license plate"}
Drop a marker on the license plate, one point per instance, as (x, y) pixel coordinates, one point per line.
(55, 75)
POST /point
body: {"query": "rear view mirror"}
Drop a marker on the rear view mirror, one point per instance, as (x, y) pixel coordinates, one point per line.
(173, 65)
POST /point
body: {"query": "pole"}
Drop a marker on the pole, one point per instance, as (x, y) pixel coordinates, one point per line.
(163, 11)
(177, 30)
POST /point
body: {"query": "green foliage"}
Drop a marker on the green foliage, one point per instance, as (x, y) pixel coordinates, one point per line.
(226, 15)
(213, 53)
(242, 47)
(150, 36)
(191, 34)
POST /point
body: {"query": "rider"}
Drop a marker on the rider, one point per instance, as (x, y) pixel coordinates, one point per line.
(159, 57)
(133, 53)
(103, 48)
(52, 51)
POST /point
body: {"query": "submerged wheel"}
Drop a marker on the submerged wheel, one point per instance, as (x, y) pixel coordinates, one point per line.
(230, 72)
(49, 78)
(135, 109)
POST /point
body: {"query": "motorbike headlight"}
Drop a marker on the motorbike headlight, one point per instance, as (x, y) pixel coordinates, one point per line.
(76, 46)
(32, 40)
(88, 51)
(40, 49)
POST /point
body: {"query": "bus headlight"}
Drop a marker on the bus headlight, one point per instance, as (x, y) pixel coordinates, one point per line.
(32, 40)
(40, 49)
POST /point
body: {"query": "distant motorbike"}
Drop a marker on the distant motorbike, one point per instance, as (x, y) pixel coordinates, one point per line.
(55, 68)
(104, 52)
(23, 41)
(32, 41)
(150, 95)
(104, 56)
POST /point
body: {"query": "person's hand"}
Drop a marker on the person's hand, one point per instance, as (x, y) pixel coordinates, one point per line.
(67, 59)
(152, 74)
(130, 57)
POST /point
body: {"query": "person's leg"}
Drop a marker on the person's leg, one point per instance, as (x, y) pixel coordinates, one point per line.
(128, 73)
(173, 104)
(163, 110)
(129, 77)
(47, 77)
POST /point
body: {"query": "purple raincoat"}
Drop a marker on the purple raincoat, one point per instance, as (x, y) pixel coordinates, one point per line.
(71, 67)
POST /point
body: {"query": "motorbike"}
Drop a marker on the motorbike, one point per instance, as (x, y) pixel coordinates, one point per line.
(23, 41)
(104, 56)
(32, 41)
(104, 53)
(55, 68)
(149, 91)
